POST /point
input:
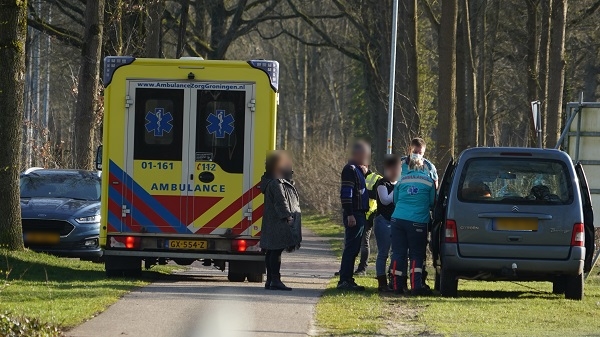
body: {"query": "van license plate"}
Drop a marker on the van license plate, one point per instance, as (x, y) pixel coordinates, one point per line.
(186, 244)
(41, 238)
(516, 224)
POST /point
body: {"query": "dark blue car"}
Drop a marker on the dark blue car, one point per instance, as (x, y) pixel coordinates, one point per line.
(61, 212)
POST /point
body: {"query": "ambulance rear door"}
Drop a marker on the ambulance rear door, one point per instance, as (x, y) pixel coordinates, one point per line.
(220, 135)
(153, 194)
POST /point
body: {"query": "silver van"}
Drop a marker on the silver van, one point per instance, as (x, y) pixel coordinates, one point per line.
(513, 214)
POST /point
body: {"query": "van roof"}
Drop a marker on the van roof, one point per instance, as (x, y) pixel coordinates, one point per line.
(517, 152)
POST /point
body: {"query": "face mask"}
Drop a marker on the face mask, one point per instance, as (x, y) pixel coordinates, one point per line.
(416, 156)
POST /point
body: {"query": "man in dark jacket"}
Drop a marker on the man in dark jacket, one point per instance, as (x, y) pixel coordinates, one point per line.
(355, 203)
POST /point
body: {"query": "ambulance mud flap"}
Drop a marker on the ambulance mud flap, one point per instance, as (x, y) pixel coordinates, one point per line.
(123, 266)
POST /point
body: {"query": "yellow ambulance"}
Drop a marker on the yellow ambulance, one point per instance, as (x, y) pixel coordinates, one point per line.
(184, 146)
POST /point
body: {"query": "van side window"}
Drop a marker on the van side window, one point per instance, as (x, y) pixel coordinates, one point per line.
(515, 181)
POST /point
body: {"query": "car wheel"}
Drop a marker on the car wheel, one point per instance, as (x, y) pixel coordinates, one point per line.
(436, 285)
(574, 287)
(236, 277)
(448, 283)
(255, 278)
(558, 285)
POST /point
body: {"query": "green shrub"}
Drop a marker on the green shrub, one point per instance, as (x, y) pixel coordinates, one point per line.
(15, 326)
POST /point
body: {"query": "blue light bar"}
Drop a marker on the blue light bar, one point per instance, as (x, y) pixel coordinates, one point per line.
(271, 68)
(111, 63)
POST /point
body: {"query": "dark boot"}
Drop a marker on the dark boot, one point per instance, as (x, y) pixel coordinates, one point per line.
(276, 284)
(383, 284)
(268, 283)
(401, 287)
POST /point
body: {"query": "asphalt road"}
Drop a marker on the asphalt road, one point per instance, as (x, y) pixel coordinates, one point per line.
(201, 302)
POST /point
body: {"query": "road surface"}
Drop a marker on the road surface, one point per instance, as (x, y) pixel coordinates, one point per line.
(200, 302)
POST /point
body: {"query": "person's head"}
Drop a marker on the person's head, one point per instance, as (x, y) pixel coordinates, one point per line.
(361, 153)
(392, 167)
(279, 165)
(417, 151)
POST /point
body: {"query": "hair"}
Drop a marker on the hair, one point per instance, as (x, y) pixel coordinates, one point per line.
(418, 142)
(391, 161)
(360, 146)
(273, 160)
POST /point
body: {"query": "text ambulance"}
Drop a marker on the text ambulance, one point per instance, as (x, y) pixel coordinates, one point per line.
(184, 147)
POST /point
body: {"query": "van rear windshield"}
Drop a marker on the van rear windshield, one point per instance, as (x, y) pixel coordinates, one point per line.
(516, 181)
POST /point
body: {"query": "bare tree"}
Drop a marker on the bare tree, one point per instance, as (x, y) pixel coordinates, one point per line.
(87, 89)
(556, 71)
(446, 129)
(13, 30)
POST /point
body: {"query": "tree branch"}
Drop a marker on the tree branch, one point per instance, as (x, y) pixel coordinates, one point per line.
(63, 35)
(435, 22)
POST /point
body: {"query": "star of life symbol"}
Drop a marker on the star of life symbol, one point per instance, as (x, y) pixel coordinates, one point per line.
(159, 122)
(220, 124)
(412, 190)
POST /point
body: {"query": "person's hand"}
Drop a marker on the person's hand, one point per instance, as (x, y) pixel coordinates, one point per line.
(290, 219)
(351, 221)
(364, 169)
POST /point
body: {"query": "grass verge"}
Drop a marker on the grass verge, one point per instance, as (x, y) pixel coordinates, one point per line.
(482, 308)
(326, 227)
(57, 291)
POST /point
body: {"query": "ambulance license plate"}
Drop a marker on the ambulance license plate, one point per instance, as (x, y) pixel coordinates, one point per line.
(41, 238)
(186, 244)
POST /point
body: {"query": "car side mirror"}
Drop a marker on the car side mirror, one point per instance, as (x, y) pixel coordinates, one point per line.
(99, 158)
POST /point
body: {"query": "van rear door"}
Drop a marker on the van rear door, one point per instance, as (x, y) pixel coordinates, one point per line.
(588, 217)
(439, 211)
(508, 207)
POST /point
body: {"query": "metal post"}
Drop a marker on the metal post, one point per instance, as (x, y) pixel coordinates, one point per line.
(390, 130)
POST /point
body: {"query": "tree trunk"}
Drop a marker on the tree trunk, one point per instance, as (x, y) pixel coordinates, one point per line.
(87, 88)
(406, 117)
(482, 105)
(546, 19)
(185, 13)
(154, 28)
(13, 31)
(556, 70)
(447, 83)
(463, 120)
(532, 59)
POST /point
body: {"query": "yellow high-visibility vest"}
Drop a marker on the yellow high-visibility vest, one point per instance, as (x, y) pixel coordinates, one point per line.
(371, 180)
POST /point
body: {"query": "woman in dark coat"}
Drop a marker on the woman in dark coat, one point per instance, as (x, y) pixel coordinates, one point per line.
(281, 223)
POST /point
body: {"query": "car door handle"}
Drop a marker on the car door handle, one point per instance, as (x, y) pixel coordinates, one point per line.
(514, 238)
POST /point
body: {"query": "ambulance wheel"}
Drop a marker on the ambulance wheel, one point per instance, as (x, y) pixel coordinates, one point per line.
(255, 277)
(123, 266)
(236, 277)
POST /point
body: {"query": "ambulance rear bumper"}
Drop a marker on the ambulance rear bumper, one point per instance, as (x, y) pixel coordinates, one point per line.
(187, 255)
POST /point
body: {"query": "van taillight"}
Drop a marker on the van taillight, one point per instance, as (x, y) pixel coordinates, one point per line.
(578, 236)
(450, 232)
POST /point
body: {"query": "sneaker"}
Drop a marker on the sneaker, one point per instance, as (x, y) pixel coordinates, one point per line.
(421, 292)
(360, 272)
(349, 285)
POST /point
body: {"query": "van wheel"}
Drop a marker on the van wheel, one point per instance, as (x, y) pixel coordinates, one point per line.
(574, 287)
(448, 283)
(236, 277)
(558, 285)
(255, 277)
(436, 285)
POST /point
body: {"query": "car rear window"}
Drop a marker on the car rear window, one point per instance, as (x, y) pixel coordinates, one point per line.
(516, 181)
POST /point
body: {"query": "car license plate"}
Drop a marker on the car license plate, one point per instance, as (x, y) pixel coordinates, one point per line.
(187, 244)
(41, 238)
(516, 224)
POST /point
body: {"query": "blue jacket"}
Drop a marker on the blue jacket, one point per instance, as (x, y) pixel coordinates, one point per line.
(353, 193)
(414, 195)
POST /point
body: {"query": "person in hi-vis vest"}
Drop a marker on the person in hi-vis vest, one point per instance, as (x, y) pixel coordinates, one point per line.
(371, 180)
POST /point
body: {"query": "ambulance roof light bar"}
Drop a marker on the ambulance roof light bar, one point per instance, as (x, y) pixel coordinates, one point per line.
(271, 68)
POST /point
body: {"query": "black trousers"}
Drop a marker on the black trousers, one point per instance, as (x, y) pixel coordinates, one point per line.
(273, 262)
